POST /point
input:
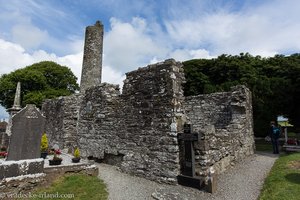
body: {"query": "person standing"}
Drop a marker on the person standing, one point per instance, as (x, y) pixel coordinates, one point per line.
(274, 135)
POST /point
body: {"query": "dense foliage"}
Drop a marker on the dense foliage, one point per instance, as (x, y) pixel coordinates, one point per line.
(44, 80)
(274, 82)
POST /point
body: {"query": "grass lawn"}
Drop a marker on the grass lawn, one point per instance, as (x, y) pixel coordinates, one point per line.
(78, 186)
(262, 145)
(283, 181)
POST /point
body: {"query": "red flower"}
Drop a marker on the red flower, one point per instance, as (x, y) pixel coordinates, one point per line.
(292, 141)
(3, 154)
(58, 152)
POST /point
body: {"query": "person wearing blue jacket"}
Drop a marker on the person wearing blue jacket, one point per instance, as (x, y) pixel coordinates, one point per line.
(274, 135)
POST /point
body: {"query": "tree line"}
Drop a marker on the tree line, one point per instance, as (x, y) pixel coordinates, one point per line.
(43, 80)
(274, 83)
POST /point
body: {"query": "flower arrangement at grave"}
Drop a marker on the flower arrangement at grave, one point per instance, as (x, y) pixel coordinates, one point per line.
(44, 146)
(56, 160)
(292, 141)
(3, 152)
(54, 151)
(76, 155)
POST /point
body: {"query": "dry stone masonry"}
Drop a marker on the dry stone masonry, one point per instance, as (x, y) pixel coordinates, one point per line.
(224, 121)
(135, 130)
(61, 121)
(92, 57)
(138, 129)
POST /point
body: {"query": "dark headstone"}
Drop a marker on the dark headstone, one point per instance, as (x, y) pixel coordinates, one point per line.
(11, 170)
(189, 181)
(188, 168)
(1, 172)
(35, 167)
(187, 176)
(27, 129)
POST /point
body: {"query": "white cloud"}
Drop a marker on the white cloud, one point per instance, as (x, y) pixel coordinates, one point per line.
(110, 75)
(13, 56)
(28, 35)
(130, 45)
(187, 54)
(266, 29)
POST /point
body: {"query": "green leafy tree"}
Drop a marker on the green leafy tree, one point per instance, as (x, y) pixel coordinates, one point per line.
(274, 82)
(43, 80)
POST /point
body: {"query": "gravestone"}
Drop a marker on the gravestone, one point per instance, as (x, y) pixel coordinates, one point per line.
(188, 137)
(187, 176)
(27, 128)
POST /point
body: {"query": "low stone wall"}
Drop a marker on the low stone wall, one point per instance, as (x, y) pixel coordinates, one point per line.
(19, 187)
(21, 167)
(58, 170)
(225, 123)
(20, 176)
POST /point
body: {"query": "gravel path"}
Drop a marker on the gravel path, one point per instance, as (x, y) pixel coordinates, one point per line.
(242, 182)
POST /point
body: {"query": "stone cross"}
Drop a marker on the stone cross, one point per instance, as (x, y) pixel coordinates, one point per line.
(189, 158)
(187, 176)
(27, 128)
(92, 57)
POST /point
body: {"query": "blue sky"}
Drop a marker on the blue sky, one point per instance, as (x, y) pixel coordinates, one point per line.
(141, 32)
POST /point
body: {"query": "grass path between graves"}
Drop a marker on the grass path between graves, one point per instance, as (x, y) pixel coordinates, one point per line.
(75, 186)
(283, 181)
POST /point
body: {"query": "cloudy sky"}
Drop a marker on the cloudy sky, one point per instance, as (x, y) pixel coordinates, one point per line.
(141, 32)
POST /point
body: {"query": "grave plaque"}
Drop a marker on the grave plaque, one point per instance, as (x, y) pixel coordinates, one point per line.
(27, 128)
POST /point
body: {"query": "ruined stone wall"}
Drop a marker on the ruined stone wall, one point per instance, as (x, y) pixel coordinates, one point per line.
(136, 130)
(226, 126)
(100, 123)
(61, 120)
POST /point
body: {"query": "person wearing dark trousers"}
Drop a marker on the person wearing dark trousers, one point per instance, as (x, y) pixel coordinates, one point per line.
(274, 134)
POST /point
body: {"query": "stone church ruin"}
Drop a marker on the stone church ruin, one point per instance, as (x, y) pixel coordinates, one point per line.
(145, 129)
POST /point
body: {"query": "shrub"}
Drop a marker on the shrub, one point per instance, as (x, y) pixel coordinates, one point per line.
(77, 153)
(44, 143)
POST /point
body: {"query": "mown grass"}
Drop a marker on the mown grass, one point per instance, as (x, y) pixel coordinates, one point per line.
(77, 186)
(283, 181)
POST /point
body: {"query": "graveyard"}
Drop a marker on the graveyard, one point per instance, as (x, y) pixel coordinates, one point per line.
(148, 130)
